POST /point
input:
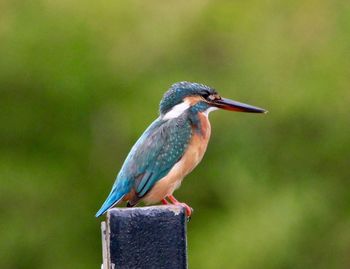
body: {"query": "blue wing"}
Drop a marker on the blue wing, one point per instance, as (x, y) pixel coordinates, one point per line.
(151, 158)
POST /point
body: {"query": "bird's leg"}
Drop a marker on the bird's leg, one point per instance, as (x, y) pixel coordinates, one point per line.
(176, 202)
(165, 201)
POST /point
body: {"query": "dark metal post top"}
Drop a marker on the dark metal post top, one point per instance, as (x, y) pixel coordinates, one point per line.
(145, 237)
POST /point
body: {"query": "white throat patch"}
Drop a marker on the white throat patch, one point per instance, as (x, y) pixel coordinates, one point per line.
(210, 109)
(176, 111)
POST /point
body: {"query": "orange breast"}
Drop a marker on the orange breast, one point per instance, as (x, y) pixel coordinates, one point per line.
(193, 155)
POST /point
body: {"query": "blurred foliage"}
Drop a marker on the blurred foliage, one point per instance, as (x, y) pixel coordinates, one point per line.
(81, 80)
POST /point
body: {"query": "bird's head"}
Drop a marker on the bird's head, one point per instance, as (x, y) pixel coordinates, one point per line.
(184, 95)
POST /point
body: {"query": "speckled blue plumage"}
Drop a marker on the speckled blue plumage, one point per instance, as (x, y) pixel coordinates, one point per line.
(159, 148)
(151, 158)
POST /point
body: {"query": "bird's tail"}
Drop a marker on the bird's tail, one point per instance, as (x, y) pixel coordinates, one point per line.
(113, 198)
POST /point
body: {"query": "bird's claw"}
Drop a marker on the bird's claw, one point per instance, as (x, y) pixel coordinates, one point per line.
(189, 216)
(188, 210)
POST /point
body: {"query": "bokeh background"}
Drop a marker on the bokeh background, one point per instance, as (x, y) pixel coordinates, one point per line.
(81, 80)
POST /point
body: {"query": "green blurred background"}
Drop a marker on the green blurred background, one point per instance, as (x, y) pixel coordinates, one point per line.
(81, 80)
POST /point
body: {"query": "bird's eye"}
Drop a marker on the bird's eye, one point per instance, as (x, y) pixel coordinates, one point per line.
(206, 95)
(210, 97)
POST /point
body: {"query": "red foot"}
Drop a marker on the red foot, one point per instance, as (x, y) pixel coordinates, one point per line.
(164, 201)
(176, 202)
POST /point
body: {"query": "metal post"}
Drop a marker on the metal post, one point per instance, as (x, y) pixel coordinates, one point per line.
(145, 237)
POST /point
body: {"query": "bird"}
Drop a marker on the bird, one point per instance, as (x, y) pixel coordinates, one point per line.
(171, 147)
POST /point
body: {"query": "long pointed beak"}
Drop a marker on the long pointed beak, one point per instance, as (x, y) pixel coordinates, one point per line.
(232, 105)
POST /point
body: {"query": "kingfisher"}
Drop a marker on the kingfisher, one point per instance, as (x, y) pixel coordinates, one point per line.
(171, 147)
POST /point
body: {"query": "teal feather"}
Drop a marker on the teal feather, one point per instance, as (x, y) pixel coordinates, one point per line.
(151, 158)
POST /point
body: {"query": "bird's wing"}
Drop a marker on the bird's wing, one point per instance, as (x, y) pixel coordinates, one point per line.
(157, 153)
(150, 159)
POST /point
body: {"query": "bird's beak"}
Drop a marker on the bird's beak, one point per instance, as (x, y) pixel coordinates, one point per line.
(232, 105)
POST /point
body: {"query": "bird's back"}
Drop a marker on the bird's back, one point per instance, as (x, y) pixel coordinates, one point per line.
(159, 148)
